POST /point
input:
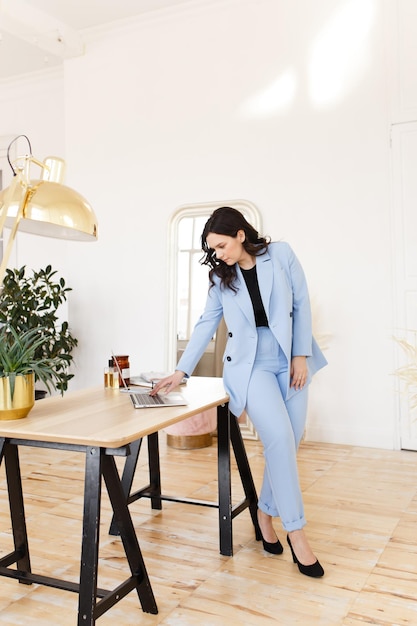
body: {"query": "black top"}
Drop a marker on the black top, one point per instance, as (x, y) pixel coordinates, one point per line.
(251, 280)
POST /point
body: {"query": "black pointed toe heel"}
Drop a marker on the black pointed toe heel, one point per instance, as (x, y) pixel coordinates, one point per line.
(272, 548)
(315, 570)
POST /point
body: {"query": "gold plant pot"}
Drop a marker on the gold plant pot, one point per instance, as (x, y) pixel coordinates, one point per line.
(18, 406)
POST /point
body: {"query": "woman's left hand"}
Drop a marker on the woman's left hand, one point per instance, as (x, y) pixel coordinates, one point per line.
(298, 372)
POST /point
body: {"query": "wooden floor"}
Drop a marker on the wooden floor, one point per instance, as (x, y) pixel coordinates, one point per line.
(361, 506)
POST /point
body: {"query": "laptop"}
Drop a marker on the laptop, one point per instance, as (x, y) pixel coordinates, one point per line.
(142, 399)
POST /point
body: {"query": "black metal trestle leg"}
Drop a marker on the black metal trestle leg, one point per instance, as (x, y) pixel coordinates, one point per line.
(228, 432)
(127, 477)
(90, 541)
(154, 471)
(17, 511)
(228, 435)
(245, 472)
(130, 542)
(99, 464)
(224, 481)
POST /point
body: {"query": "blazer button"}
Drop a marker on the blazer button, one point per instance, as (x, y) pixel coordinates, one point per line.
(228, 358)
(230, 334)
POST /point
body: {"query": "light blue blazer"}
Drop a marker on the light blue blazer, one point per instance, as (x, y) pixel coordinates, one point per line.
(285, 298)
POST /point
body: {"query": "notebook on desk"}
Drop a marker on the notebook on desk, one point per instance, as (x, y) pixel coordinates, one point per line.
(142, 400)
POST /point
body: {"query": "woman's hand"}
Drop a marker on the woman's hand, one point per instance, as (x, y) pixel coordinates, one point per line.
(298, 372)
(168, 383)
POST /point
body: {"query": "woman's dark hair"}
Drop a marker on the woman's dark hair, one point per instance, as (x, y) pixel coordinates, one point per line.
(228, 221)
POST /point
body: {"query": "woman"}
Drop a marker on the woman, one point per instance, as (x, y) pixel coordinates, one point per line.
(260, 289)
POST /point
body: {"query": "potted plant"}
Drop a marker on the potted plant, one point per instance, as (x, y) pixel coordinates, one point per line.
(31, 302)
(19, 366)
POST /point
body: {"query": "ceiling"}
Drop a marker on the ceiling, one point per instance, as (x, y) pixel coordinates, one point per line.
(40, 34)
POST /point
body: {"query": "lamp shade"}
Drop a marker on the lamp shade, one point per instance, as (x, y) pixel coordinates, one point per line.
(52, 210)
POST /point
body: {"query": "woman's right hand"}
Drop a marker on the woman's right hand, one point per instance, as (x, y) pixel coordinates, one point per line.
(168, 383)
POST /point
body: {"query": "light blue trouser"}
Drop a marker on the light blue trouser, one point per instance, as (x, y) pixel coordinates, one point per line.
(280, 425)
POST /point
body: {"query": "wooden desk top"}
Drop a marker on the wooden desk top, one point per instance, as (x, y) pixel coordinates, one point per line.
(106, 417)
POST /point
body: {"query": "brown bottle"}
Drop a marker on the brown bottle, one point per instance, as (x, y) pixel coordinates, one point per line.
(123, 361)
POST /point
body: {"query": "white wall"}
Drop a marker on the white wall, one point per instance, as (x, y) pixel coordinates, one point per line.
(168, 111)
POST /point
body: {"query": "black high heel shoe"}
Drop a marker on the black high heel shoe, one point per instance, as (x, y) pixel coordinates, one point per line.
(314, 570)
(272, 548)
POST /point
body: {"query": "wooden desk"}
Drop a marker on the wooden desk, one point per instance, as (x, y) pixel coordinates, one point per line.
(103, 424)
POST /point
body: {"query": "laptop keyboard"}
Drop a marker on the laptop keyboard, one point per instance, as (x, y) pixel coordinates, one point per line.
(144, 399)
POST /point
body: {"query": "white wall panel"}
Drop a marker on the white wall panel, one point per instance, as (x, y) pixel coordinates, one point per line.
(404, 152)
(402, 56)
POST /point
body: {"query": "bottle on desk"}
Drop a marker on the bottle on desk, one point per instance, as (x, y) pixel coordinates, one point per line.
(108, 374)
(114, 377)
(124, 366)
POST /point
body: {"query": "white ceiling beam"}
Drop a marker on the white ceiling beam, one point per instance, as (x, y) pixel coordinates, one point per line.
(22, 20)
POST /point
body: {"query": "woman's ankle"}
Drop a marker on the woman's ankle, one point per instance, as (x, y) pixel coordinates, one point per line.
(267, 529)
